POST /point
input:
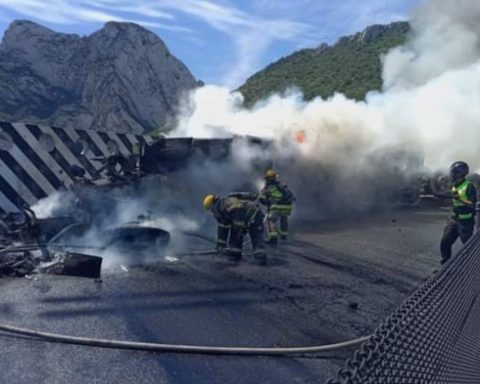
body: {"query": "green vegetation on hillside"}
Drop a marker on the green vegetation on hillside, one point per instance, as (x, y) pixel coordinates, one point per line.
(351, 66)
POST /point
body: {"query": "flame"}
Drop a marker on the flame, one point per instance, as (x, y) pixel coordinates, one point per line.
(300, 136)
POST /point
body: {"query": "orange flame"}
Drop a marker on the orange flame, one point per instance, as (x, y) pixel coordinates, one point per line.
(300, 136)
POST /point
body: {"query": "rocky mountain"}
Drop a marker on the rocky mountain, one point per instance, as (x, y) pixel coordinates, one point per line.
(120, 78)
(351, 66)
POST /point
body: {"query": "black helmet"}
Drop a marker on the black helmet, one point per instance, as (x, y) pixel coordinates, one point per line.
(459, 169)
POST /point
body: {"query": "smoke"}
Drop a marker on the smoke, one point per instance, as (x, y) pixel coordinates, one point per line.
(107, 220)
(337, 155)
(54, 204)
(429, 102)
(432, 83)
(341, 153)
(445, 37)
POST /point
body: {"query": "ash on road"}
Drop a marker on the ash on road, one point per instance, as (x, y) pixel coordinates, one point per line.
(334, 281)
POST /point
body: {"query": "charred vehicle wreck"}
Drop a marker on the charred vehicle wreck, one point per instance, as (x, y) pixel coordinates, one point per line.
(97, 183)
(99, 171)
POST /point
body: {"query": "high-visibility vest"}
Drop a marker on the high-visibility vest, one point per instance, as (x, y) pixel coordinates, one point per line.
(277, 201)
(461, 210)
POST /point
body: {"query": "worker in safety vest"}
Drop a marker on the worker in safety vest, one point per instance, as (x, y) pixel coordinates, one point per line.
(278, 199)
(237, 217)
(461, 222)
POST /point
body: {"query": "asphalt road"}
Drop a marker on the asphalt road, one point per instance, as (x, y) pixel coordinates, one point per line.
(306, 296)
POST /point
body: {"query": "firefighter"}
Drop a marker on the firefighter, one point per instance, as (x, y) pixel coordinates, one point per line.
(237, 217)
(461, 222)
(278, 199)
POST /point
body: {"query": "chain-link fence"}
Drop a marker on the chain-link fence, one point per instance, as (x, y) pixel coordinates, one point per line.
(434, 337)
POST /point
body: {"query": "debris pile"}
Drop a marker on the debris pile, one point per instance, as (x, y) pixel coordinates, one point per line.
(54, 245)
(74, 264)
(19, 263)
(24, 249)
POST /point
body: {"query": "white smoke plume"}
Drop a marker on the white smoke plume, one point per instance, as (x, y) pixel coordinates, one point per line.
(149, 205)
(54, 204)
(336, 154)
(429, 102)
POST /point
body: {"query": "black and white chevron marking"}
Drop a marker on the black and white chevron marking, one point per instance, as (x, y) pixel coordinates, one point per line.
(35, 160)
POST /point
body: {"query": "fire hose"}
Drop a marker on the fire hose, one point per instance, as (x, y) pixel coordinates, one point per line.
(172, 348)
(178, 348)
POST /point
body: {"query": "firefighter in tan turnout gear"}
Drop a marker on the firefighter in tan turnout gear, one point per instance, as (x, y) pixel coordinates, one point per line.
(237, 217)
(278, 199)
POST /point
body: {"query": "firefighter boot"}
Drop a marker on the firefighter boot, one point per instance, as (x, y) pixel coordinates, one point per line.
(235, 249)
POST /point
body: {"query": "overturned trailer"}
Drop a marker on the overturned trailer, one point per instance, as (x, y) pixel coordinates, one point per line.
(36, 160)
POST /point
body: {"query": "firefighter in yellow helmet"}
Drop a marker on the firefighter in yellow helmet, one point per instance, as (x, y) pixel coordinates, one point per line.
(278, 199)
(237, 217)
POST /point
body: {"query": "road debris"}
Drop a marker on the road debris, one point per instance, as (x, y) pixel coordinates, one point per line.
(74, 264)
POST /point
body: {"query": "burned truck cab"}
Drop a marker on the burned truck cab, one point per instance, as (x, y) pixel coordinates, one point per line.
(170, 154)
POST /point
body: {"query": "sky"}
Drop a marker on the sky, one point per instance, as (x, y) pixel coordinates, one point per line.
(222, 42)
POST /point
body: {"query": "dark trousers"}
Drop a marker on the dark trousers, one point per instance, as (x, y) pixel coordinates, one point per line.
(255, 231)
(453, 230)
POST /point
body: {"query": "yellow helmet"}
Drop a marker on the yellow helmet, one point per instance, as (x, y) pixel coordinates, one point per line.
(271, 174)
(208, 201)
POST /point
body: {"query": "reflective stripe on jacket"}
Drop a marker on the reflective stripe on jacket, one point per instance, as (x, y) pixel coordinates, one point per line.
(285, 209)
(461, 210)
(277, 197)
